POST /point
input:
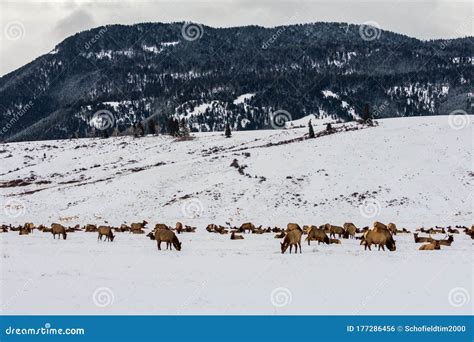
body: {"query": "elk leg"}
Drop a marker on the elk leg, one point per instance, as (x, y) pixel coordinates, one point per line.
(299, 244)
(158, 243)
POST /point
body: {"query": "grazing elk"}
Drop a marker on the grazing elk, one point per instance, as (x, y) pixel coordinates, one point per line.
(169, 237)
(335, 241)
(350, 230)
(430, 246)
(248, 226)
(107, 232)
(292, 238)
(317, 234)
(58, 229)
(151, 235)
(235, 236)
(380, 237)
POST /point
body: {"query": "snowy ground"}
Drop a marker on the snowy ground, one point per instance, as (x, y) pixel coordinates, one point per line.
(411, 171)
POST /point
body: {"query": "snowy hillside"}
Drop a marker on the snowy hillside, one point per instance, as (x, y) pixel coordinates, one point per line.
(412, 171)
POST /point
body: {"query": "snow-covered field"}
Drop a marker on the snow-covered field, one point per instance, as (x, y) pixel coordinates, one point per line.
(412, 171)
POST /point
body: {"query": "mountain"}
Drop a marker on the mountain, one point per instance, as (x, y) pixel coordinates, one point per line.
(242, 75)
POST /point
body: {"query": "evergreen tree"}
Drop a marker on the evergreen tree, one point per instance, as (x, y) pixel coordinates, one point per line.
(151, 126)
(183, 128)
(329, 127)
(227, 133)
(310, 130)
(366, 115)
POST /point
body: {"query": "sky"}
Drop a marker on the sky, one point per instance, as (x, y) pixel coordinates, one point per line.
(30, 28)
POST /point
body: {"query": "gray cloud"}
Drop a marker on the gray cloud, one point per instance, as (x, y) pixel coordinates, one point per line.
(79, 20)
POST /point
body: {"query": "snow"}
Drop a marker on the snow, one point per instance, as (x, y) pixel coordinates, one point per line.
(416, 171)
(330, 93)
(242, 98)
(315, 121)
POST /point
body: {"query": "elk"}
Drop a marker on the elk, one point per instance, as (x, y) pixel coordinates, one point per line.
(421, 239)
(292, 238)
(58, 229)
(138, 227)
(333, 230)
(107, 232)
(380, 237)
(430, 246)
(350, 230)
(169, 237)
(247, 226)
(280, 235)
(317, 234)
(446, 242)
(235, 236)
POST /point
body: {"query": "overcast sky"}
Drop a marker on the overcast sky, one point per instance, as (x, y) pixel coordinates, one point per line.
(30, 28)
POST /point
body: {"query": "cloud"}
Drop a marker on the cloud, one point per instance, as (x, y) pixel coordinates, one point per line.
(79, 20)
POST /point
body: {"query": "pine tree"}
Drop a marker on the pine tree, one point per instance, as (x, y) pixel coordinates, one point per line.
(151, 126)
(227, 133)
(183, 128)
(310, 130)
(328, 127)
(366, 115)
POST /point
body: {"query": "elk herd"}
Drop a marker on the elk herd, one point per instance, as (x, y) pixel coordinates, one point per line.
(379, 235)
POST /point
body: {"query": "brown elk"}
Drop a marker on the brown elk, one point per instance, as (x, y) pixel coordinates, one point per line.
(293, 226)
(317, 234)
(179, 227)
(335, 241)
(90, 228)
(107, 232)
(392, 228)
(350, 230)
(292, 238)
(169, 237)
(280, 235)
(380, 237)
(137, 228)
(333, 230)
(161, 226)
(24, 231)
(235, 236)
(422, 239)
(58, 229)
(430, 246)
(446, 242)
(248, 226)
